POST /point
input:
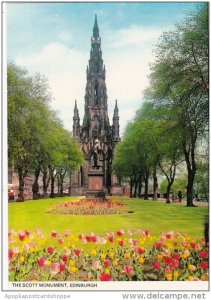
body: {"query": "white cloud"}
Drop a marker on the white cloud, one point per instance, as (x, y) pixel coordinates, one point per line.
(126, 76)
(65, 69)
(132, 36)
(65, 36)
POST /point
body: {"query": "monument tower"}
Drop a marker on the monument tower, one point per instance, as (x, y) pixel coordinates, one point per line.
(97, 138)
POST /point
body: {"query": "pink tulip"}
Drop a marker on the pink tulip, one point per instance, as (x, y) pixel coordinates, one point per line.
(128, 270)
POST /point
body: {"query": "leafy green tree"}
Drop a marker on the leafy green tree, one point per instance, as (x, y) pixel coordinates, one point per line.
(179, 81)
(27, 96)
(37, 141)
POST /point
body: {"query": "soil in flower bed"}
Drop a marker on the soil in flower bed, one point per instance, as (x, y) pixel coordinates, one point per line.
(89, 207)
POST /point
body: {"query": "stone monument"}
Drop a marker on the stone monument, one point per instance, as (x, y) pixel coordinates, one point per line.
(97, 138)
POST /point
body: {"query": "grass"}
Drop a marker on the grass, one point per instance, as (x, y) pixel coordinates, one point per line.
(155, 216)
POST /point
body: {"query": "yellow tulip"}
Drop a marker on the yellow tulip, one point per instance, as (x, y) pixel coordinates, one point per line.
(21, 259)
(73, 269)
(71, 263)
(169, 276)
(93, 252)
(160, 256)
(141, 260)
(127, 255)
(191, 268)
(184, 255)
(106, 271)
(190, 278)
(103, 255)
(48, 263)
(111, 255)
(176, 274)
(115, 263)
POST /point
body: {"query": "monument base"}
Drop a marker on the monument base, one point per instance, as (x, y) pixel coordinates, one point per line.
(95, 185)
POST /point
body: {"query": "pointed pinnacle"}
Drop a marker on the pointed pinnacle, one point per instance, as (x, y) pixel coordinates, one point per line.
(95, 28)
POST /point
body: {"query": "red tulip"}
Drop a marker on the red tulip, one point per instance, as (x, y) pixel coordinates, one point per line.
(111, 239)
(121, 243)
(10, 254)
(81, 235)
(61, 268)
(105, 277)
(174, 263)
(27, 233)
(167, 260)
(64, 258)
(88, 238)
(41, 262)
(53, 234)
(156, 265)
(176, 256)
(107, 263)
(158, 245)
(128, 270)
(119, 233)
(146, 232)
(140, 251)
(94, 239)
(168, 236)
(203, 254)
(193, 245)
(203, 265)
(50, 250)
(77, 252)
(21, 236)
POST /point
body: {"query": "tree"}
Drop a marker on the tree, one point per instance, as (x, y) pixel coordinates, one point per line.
(37, 141)
(179, 81)
(27, 96)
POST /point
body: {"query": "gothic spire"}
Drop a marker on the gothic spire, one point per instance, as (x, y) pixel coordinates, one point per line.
(116, 110)
(95, 28)
(116, 122)
(76, 113)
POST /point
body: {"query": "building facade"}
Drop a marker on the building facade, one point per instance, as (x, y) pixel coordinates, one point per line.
(97, 138)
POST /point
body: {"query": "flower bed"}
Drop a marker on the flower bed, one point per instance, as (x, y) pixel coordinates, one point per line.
(89, 207)
(119, 256)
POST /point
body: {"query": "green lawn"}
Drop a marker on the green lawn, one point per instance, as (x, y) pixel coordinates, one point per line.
(152, 215)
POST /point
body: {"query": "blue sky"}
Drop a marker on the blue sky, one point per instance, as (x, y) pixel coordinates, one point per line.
(54, 39)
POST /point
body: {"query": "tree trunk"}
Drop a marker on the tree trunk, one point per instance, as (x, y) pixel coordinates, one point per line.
(139, 187)
(191, 167)
(58, 184)
(155, 185)
(35, 187)
(191, 176)
(146, 183)
(135, 188)
(21, 178)
(131, 187)
(52, 182)
(61, 186)
(168, 190)
(46, 182)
